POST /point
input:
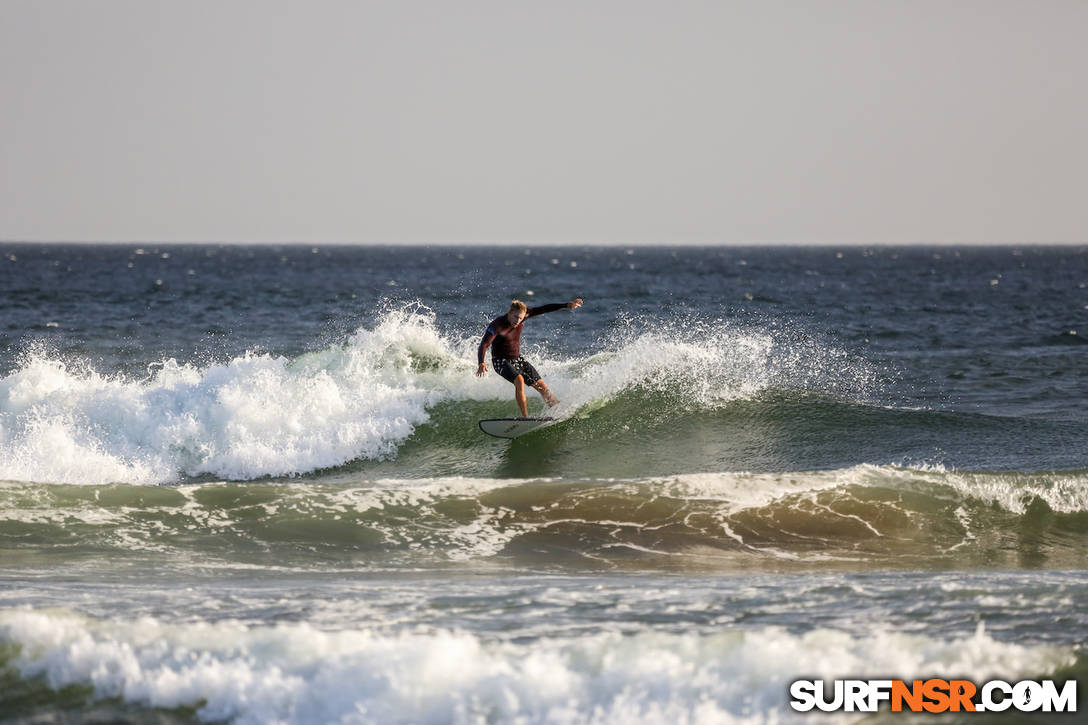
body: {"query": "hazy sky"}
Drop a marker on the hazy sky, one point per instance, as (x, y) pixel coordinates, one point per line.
(506, 121)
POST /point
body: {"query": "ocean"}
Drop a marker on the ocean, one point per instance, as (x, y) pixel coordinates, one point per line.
(245, 484)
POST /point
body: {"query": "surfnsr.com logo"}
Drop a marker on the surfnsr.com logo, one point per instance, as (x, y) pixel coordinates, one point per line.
(934, 696)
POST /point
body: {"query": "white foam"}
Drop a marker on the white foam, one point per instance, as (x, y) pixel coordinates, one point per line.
(254, 416)
(296, 673)
(742, 490)
(1065, 492)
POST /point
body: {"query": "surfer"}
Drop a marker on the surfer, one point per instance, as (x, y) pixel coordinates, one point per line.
(504, 337)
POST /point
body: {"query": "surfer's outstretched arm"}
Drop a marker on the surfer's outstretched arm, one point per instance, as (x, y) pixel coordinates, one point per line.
(544, 309)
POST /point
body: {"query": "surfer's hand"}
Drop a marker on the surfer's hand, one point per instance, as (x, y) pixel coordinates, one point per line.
(481, 370)
(575, 304)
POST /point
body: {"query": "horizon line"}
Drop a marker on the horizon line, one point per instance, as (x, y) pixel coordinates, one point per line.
(548, 243)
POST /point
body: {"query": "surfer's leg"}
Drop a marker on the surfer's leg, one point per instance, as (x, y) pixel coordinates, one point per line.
(519, 395)
(541, 388)
(532, 378)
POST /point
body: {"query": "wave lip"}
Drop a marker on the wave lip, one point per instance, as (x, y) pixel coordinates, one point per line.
(296, 673)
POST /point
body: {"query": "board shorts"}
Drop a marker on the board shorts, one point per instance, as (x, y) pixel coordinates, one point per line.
(511, 368)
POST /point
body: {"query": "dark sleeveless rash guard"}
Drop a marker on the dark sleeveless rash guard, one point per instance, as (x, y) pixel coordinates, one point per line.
(504, 338)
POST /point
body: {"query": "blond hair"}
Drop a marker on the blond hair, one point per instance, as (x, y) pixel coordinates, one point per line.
(518, 305)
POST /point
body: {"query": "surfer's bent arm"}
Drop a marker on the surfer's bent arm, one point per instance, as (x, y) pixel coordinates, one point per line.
(489, 337)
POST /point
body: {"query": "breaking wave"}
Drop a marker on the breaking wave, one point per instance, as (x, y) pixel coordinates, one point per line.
(260, 415)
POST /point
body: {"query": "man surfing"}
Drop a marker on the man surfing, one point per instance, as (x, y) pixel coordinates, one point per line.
(504, 337)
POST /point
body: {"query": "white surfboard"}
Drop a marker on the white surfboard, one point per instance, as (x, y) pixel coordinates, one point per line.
(514, 427)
